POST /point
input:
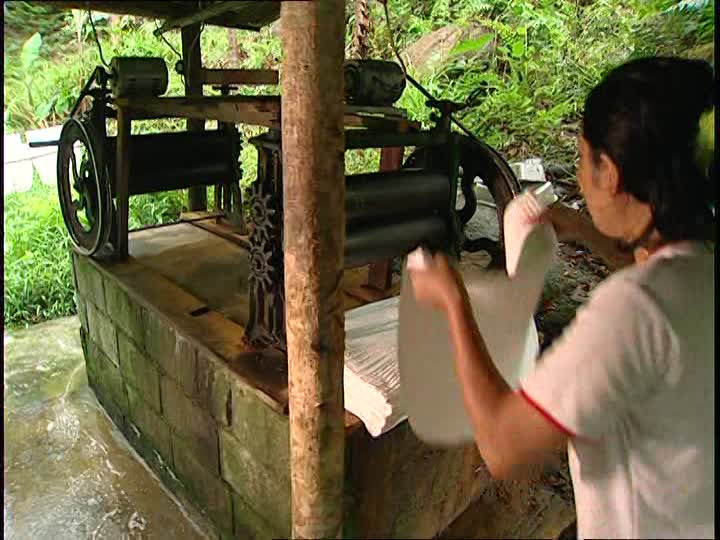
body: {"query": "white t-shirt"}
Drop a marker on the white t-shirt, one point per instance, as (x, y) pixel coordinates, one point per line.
(632, 380)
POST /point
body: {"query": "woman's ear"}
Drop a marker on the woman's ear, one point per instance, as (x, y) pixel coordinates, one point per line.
(607, 176)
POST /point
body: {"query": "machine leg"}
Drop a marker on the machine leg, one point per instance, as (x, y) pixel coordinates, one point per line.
(122, 179)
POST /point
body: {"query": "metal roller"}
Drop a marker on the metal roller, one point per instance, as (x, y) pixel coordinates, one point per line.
(364, 245)
(376, 196)
(170, 161)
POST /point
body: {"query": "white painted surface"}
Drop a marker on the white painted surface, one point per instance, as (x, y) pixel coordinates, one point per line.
(20, 160)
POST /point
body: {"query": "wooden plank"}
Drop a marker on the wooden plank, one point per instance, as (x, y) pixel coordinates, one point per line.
(224, 230)
(261, 14)
(194, 216)
(122, 189)
(192, 61)
(314, 211)
(240, 76)
(252, 110)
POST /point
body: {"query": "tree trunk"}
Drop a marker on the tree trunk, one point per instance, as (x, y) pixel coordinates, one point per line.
(361, 31)
(233, 44)
(314, 221)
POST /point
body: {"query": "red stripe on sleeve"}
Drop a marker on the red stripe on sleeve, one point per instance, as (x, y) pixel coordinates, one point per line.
(546, 414)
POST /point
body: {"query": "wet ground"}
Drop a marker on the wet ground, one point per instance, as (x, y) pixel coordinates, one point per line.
(69, 473)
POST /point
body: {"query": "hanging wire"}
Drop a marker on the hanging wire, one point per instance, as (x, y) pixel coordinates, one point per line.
(162, 36)
(97, 41)
(412, 81)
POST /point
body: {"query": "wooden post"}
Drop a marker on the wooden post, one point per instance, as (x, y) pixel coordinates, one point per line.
(192, 60)
(314, 221)
(122, 180)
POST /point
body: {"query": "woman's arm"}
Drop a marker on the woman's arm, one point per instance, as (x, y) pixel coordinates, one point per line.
(572, 226)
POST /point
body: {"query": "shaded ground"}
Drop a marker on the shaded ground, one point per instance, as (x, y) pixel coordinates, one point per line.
(68, 472)
(568, 285)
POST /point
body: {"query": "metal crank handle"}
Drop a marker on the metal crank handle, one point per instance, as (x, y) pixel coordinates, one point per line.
(40, 144)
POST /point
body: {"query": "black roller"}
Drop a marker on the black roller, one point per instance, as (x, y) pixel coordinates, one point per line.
(170, 161)
(376, 196)
(364, 245)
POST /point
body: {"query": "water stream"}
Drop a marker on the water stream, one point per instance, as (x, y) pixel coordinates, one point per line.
(69, 473)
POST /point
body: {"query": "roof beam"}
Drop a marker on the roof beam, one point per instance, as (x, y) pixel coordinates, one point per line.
(213, 10)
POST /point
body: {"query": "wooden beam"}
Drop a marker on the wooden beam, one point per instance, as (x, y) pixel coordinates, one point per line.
(253, 110)
(192, 62)
(201, 15)
(240, 76)
(262, 14)
(314, 222)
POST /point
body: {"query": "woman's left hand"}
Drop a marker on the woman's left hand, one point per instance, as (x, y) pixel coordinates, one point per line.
(438, 285)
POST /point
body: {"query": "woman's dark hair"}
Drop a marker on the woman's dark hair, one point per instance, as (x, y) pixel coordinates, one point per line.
(645, 115)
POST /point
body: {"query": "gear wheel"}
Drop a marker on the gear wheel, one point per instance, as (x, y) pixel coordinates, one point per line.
(261, 268)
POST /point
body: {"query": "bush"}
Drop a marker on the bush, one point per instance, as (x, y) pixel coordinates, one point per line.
(38, 273)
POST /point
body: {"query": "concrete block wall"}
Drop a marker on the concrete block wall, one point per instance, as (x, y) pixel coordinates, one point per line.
(215, 442)
(185, 412)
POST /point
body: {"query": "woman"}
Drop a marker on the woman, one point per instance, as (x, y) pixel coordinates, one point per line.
(629, 386)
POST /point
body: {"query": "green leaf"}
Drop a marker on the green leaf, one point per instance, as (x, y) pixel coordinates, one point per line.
(30, 51)
(472, 44)
(43, 110)
(517, 48)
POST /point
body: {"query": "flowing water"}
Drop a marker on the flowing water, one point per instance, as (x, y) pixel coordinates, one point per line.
(69, 473)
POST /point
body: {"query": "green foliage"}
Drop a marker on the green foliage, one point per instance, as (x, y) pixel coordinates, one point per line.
(38, 275)
(22, 19)
(525, 92)
(472, 45)
(156, 208)
(30, 51)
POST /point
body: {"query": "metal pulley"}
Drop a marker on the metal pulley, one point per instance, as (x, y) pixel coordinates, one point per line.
(84, 186)
(138, 76)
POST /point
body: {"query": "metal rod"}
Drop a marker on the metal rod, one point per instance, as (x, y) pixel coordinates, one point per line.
(430, 96)
(40, 144)
(355, 139)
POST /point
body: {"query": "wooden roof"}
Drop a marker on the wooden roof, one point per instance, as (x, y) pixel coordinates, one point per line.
(248, 14)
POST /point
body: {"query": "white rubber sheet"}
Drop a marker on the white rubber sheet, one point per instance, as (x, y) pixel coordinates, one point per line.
(371, 375)
(503, 307)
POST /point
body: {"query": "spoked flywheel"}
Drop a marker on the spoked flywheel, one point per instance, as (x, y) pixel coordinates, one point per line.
(83, 188)
(477, 160)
